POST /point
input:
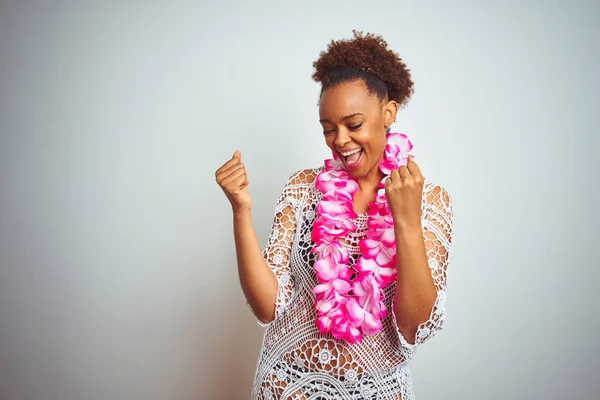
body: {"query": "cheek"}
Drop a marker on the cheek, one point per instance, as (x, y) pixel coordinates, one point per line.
(382, 144)
(330, 141)
(377, 143)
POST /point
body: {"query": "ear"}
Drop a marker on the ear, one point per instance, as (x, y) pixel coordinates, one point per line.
(390, 109)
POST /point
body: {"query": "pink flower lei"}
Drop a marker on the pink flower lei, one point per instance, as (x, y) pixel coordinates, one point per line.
(349, 303)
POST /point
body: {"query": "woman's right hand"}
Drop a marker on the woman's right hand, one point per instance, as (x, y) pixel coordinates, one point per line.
(233, 180)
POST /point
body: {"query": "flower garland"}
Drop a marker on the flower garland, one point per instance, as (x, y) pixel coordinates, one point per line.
(349, 303)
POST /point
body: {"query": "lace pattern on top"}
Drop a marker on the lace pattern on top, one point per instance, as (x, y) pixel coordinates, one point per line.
(296, 360)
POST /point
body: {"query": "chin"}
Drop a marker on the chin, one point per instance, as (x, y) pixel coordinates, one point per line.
(357, 172)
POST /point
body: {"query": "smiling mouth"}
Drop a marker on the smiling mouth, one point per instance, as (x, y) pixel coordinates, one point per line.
(351, 158)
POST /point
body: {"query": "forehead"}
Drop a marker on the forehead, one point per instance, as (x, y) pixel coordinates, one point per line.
(345, 99)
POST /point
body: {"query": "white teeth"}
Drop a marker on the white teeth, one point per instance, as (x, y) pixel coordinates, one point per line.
(350, 152)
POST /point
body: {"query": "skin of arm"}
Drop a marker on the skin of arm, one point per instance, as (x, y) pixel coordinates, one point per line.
(258, 281)
(256, 278)
(416, 289)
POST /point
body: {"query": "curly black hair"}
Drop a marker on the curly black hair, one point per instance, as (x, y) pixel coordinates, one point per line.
(365, 57)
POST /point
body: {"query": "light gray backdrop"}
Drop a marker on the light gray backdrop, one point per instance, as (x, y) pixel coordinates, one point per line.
(118, 276)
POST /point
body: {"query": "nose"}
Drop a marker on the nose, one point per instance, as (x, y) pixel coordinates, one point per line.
(341, 138)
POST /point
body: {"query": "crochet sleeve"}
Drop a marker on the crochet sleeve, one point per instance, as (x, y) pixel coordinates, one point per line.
(437, 220)
(278, 250)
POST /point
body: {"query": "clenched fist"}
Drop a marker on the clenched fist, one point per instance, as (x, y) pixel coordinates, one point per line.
(233, 180)
(404, 192)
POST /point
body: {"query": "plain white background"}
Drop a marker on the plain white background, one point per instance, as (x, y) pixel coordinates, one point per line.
(118, 276)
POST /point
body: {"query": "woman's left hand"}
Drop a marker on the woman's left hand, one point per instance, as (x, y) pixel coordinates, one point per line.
(404, 191)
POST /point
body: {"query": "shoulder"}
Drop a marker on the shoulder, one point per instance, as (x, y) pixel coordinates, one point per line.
(299, 184)
(436, 196)
(303, 177)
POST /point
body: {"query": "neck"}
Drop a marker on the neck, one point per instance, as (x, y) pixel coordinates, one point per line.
(368, 185)
(371, 180)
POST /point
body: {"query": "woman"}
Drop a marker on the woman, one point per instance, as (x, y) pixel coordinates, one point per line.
(354, 274)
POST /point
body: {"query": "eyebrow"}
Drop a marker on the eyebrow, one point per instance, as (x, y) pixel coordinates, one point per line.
(343, 118)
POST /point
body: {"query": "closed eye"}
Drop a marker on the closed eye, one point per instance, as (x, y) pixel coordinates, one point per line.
(355, 127)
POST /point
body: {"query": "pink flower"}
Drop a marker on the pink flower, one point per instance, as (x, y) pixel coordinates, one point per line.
(381, 209)
(372, 247)
(388, 165)
(399, 144)
(383, 274)
(331, 249)
(380, 197)
(329, 301)
(353, 335)
(366, 291)
(333, 164)
(362, 318)
(334, 208)
(341, 328)
(348, 308)
(339, 286)
(379, 221)
(329, 181)
(328, 269)
(338, 195)
(325, 224)
(396, 152)
(325, 229)
(385, 236)
(323, 322)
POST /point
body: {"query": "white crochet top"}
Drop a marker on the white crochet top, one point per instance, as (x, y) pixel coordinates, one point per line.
(298, 362)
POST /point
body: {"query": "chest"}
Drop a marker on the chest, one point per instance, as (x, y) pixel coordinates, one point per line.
(303, 258)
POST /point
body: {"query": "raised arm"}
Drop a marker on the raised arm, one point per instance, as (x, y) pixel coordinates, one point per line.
(264, 276)
(418, 320)
(257, 280)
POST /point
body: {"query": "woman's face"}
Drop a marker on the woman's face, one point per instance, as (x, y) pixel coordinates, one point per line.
(354, 121)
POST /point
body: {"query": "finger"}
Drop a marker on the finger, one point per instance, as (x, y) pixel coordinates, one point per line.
(387, 182)
(231, 179)
(227, 165)
(233, 169)
(413, 168)
(394, 175)
(237, 155)
(237, 183)
(222, 175)
(403, 172)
